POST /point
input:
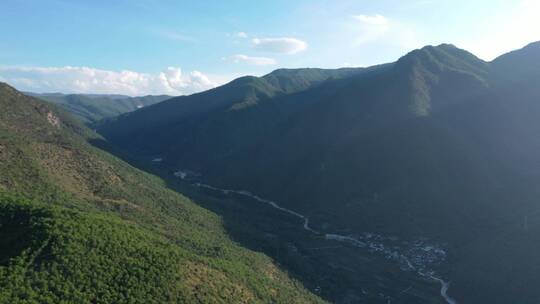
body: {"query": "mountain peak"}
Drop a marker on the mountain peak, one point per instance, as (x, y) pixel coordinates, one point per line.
(442, 46)
(444, 52)
(432, 70)
(443, 57)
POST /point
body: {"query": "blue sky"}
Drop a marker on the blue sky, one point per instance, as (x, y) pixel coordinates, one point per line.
(179, 47)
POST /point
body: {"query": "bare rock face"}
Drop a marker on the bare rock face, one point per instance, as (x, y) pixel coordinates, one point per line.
(53, 120)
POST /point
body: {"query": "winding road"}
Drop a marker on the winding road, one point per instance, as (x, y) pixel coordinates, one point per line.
(336, 237)
(444, 291)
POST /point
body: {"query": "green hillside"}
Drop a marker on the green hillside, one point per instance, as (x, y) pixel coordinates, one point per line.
(78, 225)
(91, 108)
(439, 145)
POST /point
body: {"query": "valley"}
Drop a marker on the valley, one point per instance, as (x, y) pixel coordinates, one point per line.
(417, 256)
(342, 268)
(269, 152)
(387, 160)
(363, 185)
(91, 108)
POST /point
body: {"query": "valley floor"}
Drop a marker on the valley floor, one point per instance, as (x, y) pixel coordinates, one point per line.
(419, 256)
(339, 266)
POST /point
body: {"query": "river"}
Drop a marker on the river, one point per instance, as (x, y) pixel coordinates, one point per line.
(365, 242)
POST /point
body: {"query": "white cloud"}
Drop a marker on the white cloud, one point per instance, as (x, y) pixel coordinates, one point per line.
(284, 45)
(372, 19)
(239, 58)
(90, 80)
(238, 35)
(241, 35)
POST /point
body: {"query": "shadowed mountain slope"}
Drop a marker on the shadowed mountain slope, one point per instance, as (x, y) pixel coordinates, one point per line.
(439, 144)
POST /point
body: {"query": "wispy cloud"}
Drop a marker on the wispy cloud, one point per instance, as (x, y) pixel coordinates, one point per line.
(70, 79)
(241, 35)
(283, 45)
(380, 29)
(372, 19)
(240, 58)
(173, 35)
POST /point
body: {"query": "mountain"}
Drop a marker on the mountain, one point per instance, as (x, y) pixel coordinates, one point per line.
(243, 94)
(91, 108)
(439, 144)
(519, 64)
(79, 225)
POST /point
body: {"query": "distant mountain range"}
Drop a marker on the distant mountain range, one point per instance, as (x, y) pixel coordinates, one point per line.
(439, 145)
(91, 108)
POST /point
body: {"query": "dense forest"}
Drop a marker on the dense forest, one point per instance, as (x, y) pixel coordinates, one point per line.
(79, 225)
